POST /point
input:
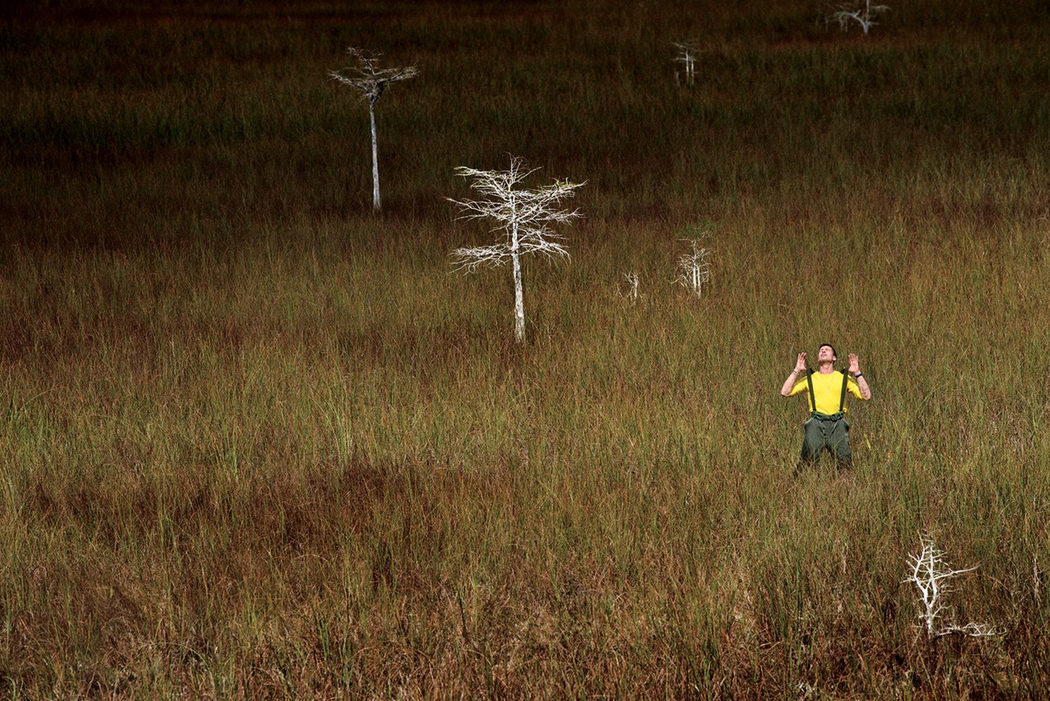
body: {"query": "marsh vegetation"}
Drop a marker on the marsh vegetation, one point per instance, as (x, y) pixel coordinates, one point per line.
(257, 439)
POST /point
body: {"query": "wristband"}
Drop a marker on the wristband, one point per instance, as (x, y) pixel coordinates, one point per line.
(859, 374)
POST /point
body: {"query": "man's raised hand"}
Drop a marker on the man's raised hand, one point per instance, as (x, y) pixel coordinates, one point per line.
(854, 364)
(800, 364)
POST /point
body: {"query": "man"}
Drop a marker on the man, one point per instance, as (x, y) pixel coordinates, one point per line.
(826, 428)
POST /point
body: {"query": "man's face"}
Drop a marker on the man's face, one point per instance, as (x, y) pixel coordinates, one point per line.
(826, 354)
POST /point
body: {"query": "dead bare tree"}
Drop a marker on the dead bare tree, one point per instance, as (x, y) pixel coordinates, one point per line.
(863, 16)
(930, 572)
(633, 280)
(523, 216)
(687, 57)
(694, 268)
(365, 76)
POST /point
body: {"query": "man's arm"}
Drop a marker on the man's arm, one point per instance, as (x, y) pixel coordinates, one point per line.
(789, 383)
(862, 383)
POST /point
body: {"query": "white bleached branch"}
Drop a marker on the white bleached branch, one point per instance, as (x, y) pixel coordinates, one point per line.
(367, 77)
(524, 217)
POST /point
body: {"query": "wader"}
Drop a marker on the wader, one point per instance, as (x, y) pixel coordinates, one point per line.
(826, 431)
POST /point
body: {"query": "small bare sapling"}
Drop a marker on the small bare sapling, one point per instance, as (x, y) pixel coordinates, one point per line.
(523, 216)
(365, 76)
(694, 268)
(631, 292)
(930, 573)
(864, 16)
(687, 57)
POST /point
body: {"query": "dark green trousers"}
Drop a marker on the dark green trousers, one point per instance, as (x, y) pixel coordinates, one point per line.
(826, 432)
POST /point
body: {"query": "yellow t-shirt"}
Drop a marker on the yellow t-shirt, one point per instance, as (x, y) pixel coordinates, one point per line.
(827, 389)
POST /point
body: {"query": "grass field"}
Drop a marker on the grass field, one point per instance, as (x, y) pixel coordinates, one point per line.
(256, 440)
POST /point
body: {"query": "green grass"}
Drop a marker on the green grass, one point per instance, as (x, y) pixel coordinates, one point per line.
(257, 440)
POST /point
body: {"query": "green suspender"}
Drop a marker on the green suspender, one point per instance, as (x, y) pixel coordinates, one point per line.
(842, 399)
(812, 399)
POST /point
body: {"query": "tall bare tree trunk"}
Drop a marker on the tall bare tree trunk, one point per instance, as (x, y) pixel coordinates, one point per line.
(375, 158)
(519, 296)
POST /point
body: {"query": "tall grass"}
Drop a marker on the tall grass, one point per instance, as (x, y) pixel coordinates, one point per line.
(258, 440)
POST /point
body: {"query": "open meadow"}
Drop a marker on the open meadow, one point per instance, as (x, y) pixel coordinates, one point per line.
(257, 440)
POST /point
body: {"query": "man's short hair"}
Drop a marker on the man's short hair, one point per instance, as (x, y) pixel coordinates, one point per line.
(829, 346)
